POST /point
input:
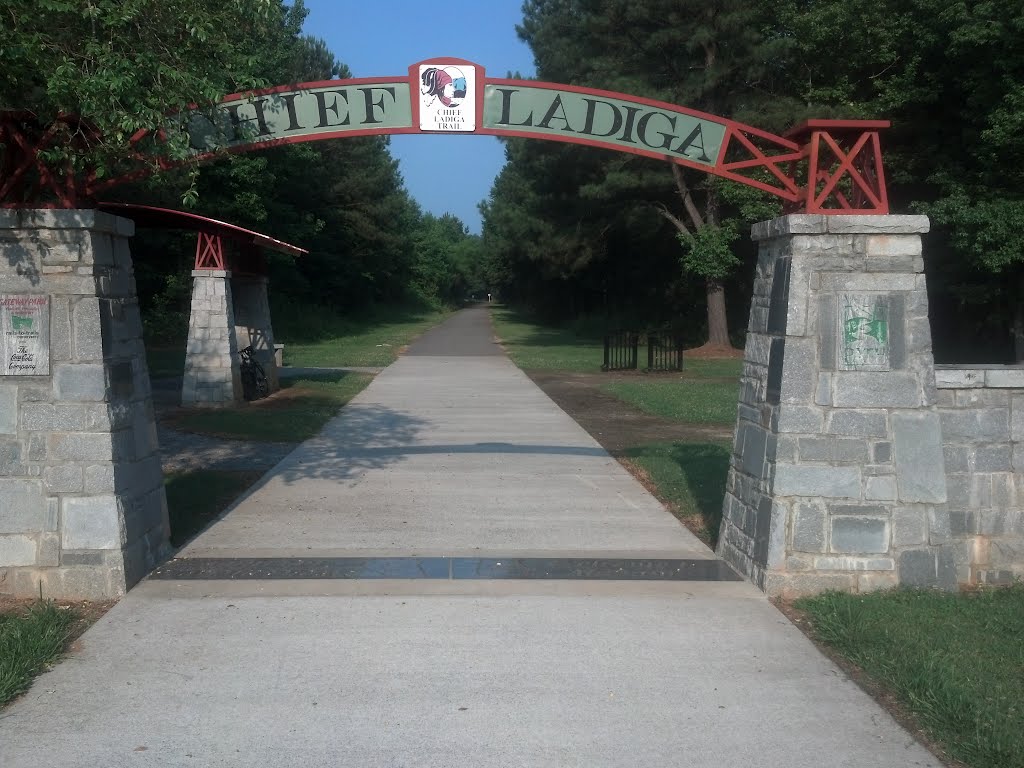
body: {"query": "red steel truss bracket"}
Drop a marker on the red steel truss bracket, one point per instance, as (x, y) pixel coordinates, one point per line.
(24, 177)
(209, 252)
(755, 158)
(844, 166)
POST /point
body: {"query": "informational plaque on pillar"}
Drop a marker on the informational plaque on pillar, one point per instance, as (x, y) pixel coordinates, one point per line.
(24, 335)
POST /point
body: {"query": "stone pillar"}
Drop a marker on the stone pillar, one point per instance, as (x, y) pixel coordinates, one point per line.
(212, 375)
(837, 462)
(82, 506)
(252, 322)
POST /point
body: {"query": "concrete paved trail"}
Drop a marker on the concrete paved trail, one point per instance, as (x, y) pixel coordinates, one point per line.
(452, 573)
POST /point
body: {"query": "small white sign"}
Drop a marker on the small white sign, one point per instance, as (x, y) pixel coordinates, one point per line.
(24, 335)
(447, 97)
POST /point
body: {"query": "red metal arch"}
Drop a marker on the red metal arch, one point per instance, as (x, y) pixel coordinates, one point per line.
(822, 166)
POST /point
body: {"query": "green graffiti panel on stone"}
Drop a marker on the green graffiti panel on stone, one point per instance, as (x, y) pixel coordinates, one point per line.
(864, 329)
(300, 114)
(617, 123)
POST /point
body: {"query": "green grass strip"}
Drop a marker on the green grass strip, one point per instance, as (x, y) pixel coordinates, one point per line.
(690, 477)
(297, 417)
(196, 498)
(29, 641)
(955, 660)
(694, 401)
(535, 347)
(373, 342)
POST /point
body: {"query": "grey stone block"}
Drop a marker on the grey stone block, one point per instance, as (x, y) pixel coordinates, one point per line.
(977, 425)
(99, 479)
(753, 450)
(982, 398)
(1004, 490)
(22, 506)
(827, 331)
(793, 224)
(52, 520)
(37, 448)
(857, 423)
(792, 585)
(862, 282)
(957, 377)
(799, 419)
(82, 446)
(82, 382)
(11, 464)
(917, 443)
(803, 480)
(962, 523)
(798, 384)
(17, 549)
(939, 530)
(958, 490)
(874, 581)
(1007, 552)
(859, 535)
(956, 458)
(892, 246)
(880, 488)
(918, 568)
(63, 478)
(832, 563)
(850, 450)
(876, 389)
(877, 225)
(93, 522)
(1007, 376)
(84, 558)
(8, 410)
(981, 491)
(48, 553)
(809, 532)
(881, 453)
(823, 391)
(87, 329)
(993, 458)
(816, 449)
(909, 527)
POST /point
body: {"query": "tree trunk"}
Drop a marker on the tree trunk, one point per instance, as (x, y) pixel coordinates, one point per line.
(718, 327)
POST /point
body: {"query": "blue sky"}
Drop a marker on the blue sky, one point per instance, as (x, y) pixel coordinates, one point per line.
(378, 38)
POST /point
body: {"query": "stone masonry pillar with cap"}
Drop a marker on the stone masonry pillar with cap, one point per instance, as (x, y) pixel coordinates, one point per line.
(212, 373)
(82, 507)
(837, 478)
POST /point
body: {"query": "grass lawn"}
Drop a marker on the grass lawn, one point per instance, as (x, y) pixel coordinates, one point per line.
(689, 478)
(196, 498)
(315, 337)
(30, 639)
(292, 415)
(372, 342)
(691, 400)
(537, 348)
(956, 661)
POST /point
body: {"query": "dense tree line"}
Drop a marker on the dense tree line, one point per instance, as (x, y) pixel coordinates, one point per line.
(575, 230)
(125, 64)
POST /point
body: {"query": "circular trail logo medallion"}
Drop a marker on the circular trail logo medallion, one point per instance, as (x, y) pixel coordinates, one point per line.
(447, 97)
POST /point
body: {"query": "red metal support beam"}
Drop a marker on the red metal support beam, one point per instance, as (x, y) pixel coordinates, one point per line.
(209, 252)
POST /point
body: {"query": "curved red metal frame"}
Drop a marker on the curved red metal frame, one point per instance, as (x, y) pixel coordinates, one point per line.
(840, 160)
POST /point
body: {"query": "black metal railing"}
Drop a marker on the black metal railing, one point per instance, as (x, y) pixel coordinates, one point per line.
(620, 351)
(664, 351)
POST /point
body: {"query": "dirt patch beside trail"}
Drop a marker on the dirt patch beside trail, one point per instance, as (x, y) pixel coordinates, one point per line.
(616, 425)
